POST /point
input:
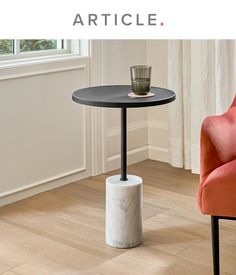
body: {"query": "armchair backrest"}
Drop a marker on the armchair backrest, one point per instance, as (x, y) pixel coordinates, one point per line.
(218, 140)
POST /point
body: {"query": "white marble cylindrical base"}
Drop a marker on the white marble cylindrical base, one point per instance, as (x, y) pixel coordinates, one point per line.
(124, 211)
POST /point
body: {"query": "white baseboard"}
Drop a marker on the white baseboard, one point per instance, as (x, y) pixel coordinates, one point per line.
(134, 155)
(158, 153)
(42, 186)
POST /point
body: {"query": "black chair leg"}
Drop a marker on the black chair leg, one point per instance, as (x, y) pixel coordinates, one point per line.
(215, 244)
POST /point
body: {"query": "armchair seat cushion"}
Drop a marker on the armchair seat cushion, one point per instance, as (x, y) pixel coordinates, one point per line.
(217, 192)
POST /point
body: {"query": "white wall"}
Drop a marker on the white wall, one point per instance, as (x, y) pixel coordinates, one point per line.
(44, 139)
(158, 116)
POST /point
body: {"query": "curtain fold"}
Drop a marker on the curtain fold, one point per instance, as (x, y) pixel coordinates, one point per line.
(201, 72)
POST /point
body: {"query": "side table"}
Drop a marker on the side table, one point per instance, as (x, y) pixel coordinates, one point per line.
(123, 192)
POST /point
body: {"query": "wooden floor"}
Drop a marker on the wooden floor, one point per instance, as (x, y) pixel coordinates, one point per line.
(62, 231)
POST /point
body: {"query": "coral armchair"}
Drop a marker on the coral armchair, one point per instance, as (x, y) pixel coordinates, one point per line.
(217, 190)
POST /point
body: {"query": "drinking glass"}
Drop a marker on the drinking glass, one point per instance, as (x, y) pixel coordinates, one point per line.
(141, 79)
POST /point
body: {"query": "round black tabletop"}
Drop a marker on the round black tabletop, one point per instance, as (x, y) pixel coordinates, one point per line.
(116, 96)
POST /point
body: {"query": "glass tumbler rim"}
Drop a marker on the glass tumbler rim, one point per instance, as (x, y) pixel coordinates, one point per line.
(141, 66)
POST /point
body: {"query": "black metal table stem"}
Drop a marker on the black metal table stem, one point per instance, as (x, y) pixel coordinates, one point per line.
(123, 163)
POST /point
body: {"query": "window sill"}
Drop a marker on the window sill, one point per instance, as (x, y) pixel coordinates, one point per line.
(41, 65)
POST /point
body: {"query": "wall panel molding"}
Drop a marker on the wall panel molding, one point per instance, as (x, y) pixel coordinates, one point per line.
(44, 67)
(137, 144)
(159, 124)
(134, 155)
(46, 135)
(158, 140)
(132, 126)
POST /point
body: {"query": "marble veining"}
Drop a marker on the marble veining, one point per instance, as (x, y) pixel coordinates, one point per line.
(124, 211)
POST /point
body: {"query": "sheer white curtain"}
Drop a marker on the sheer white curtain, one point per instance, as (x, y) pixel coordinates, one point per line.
(202, 73)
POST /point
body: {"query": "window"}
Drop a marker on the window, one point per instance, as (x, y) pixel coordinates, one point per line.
(39, 45)
(6, 46)
(26, 48)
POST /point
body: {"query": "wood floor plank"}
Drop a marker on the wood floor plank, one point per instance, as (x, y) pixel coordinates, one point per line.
(9, 272)
(148, 260)
(61, 231)
(201, 253)
(170, 232)
(68, 231)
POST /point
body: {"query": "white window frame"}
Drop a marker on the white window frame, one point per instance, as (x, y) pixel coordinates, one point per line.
(72, 48)
(12, 68)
